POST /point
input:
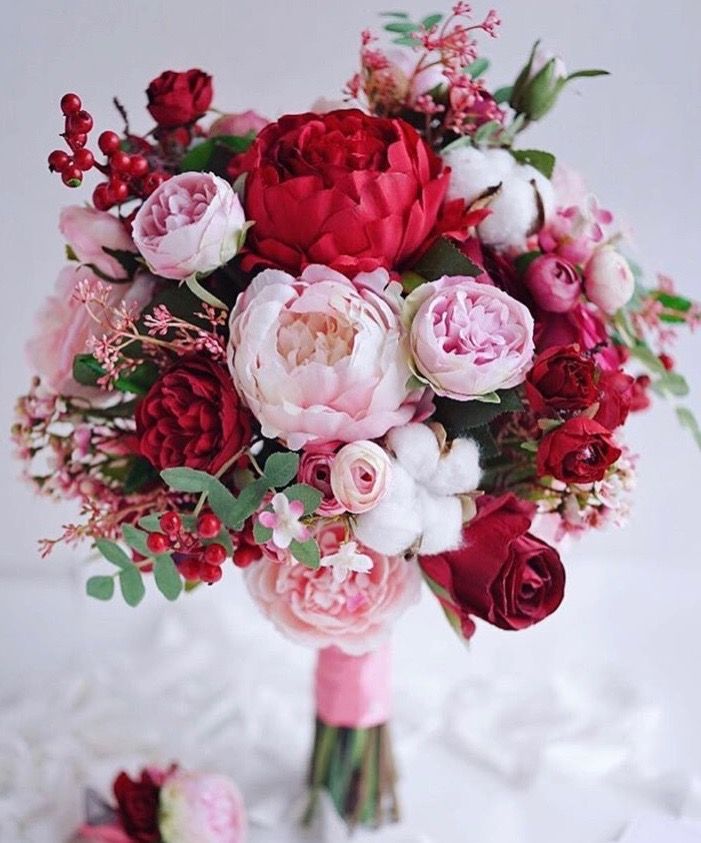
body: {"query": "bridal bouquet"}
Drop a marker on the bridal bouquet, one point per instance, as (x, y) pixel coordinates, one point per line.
(353, 350)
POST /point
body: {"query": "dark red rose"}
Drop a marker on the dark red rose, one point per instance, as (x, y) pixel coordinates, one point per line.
(501, 573)
(578, 451)
(581, 326)
(344, 189)
(137, 807)
(616, 392)
(193, 416)
(177, 99)
(562, 379)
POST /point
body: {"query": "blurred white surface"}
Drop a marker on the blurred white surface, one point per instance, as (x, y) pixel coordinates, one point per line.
(564, 732)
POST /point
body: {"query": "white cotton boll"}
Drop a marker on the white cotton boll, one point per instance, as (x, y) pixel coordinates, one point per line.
(458, 470)
(514, 214)
(394, 524)
(476, 171)
(416, 448)
(441, 517)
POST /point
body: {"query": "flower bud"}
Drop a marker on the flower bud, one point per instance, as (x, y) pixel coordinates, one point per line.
(539, 84)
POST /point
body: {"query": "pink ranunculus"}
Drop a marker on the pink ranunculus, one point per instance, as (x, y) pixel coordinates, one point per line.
(360, 475)
(467, 338)
(608, 280)
(320, 358)
(316, 608)
(64, 326)
(238, 124)
(201, 807)
(89, 232)
(192, 224)
(315, 470)
(554, 283)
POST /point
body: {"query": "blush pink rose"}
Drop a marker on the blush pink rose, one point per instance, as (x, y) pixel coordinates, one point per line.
(320, 358)
(190, 225)
(315, 608)
(608, 280)
(360, 475)
(89, 232)
(201, 807)
(554, 283)
(64, 326)
(238, 124)
(315, 470)
(468, 338)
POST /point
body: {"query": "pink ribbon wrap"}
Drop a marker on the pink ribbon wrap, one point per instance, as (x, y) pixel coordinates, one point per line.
(353, 691)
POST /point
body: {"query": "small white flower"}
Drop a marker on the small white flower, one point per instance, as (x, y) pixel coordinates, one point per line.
(346, 559)
(284, 521)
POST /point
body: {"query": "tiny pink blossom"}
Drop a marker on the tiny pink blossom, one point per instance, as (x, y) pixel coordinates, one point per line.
(284, 521)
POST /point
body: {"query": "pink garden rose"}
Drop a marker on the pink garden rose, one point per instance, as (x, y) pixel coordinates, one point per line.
(315, 464)
(64, 326)
(581, 326)
(467, 338)
(319, 609)
(190, 225)
(89, 232)
(360, 475)
(554, 283)
(201, 807)
(320, 358)
(608, 280)
(238, 124)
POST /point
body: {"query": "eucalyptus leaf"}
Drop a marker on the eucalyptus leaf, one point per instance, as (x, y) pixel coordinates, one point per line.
(136, 539)
(113, 553)
(689, 421)
(431, 20)
(403, 27)
(310, 497)
(168, 580)
(261, 534)
(101, 587)
(248, 502)
(280, 469)
(306, 552)
(132, 586)
(150, 523)
(184, 479)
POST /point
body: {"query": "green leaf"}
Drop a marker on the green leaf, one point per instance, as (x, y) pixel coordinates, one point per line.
(579, 74)
(673, 302)
(310, 497)
(102, 588)
(306, 552)
(202, 156)
(431, 20)
(87, 371)
(523, 261)
(406, 41)
(248, 502)
(688, 420)
(443, 258)
(544, 162)
(129, 261)
(224, 539)
(132, 585)
(478, 67)
(136, 539)
(168, 580)
(140, 475)
(150, 523)
(485, 132)
(394, 15)
(223, 503)
(647, 357)
(401, 27)
(486, 442)
(113, 553)
(261, 534)
(281, 469)
(503, 94)
(184, 479)
(460, 417)
(671, 383)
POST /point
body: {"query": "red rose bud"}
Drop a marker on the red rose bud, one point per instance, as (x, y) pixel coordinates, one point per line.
(579, 451)
(501, 574)
(344, 189)
(178, 99)
(554, 283)
(615, 399)
(562, 379)
(192, 416)
(137, 807)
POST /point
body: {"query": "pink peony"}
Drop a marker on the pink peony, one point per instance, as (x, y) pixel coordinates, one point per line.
(608, 280)
(315, 469)
(554, 283)
(467, 338)
(316, 608)
(320, 358)
(238, 124)
(192, 224)
(64, 326)
(360, 475)
(201, 807)
(89, 232)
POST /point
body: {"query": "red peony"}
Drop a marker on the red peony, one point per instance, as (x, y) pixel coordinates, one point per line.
(501, 573)
(616, 394)
(562, 379)
(578, 451)
(344, 189)
(137, 807)
(178, 99)
(193, 416)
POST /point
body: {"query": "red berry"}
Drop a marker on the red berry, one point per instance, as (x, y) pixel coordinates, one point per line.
(120, 161)
(138, 166)
(246, 554)
(190, 568)
(170, 523)
(70, 104)
(153, 181)
(108, 142)
(101, 197)
(58, 160)
(79, 123)
(644, 381)
(215, 554)
(72, 176)
(157, 543)
(210, 573)
(77, 141)
(84, 159)
(667, 362)
(118, 190)
(208, 526)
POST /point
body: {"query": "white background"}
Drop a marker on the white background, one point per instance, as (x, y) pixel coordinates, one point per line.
(633, 604)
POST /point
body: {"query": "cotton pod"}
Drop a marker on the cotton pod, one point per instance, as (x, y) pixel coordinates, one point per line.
(608, 280)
